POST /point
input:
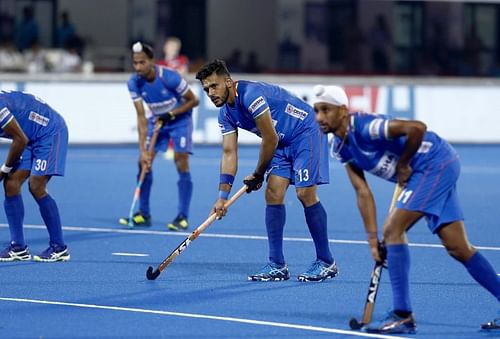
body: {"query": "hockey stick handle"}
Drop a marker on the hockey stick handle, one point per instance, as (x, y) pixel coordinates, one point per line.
(377, 272)
(142, 175)
(198, 231)
(151, 148)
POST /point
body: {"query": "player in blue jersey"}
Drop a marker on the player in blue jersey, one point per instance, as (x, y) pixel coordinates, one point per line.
(170, 100)
(38, 151)
(289, 154)
(426, 167)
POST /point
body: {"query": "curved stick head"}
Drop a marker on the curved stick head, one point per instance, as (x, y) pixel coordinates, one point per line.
(354, 324)
(152, 275)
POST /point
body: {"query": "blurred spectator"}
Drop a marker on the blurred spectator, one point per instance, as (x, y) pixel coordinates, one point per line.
(69, 61)
(381, 43)
(288, 54)
(471, 60)
(66, 31)
(7, 26)
(353, 43)
(252, 65)
(314, 55)
(27, 30)
(438, 49)
(34, 58)
(234, 62)
(172, 57)
(494, 69)
(11, 60)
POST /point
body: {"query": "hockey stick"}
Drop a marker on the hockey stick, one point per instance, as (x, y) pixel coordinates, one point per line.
(152, 275)
(137, 192)
(376, 275)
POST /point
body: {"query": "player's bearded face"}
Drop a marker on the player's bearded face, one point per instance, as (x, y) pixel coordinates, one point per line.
(218, 91)
(142, 64)
(329, 117)
(223, 99)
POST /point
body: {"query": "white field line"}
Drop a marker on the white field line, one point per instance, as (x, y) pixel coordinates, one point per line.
(226, 236)
(203, 316)
(130, 254)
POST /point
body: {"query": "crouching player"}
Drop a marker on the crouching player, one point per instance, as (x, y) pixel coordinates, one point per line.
(38, 151)
(427, 168)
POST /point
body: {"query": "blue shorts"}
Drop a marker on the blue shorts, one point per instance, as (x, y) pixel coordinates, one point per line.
(304, 162)
(433, 192)
(181, 134)
(47, 155)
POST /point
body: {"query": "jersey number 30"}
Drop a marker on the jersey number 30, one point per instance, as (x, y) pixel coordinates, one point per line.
(40, 165)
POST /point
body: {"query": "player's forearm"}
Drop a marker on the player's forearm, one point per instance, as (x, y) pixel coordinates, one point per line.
(267, 149)
(16, 149)
(414, 132)
(411, 147)
(366, 206)
(186, 106)
(19, 142)
(142, 129)
(229, 165)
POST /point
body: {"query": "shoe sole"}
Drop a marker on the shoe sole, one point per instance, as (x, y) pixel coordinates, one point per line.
(124, 222)
(64, 258)
(267, 279)
(377, 331)
(15, 259)
(306, 279)
(491, 326)
(172, 227)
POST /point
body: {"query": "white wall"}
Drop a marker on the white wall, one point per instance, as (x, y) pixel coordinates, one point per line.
(99, 109)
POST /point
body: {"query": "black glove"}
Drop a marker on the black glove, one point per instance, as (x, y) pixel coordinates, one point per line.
(167, 117)
(382, 251)
(255, 183)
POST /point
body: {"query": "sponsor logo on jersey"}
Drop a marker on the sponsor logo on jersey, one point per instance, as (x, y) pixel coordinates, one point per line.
(256, 104)
(425, 147)
(163, 107)
(3, 113)
(374, 128)
(295, 112)
(38, 119)
(386, 166)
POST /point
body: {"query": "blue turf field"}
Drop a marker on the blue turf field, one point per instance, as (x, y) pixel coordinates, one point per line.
(103, 292)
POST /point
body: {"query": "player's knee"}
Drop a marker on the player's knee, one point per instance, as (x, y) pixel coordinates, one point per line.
(12, 187)
(307, 197)
(460, 253)
(37, 188)
(274, 196)
(181, 162)
(392, 235)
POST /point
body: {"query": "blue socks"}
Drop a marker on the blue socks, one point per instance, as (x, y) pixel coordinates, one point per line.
(14, 210)
(317, 223)
(50, 215)
(185, 186)
(145, 193)
(185, 191)
(482, 271)
(275, 223)
(398, 259)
